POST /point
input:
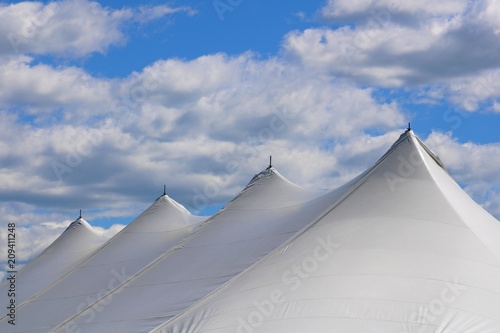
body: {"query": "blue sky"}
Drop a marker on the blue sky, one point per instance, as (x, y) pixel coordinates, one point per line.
(102, 103)
(216, 27)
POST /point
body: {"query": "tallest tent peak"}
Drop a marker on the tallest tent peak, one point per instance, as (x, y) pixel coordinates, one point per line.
(418, 151)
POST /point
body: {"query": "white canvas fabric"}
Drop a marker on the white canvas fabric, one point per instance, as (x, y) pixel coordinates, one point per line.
(406, 250)
(399, 249)
(264, 215)
(153, 232)
(73, 246)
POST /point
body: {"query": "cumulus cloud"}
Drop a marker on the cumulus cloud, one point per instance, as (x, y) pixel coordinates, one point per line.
(39, 89)
(255, 91)
(479, 92)
(188, 118)
(109, 232)
(473, 166)
(390, 43)
(71, 28)
(397, 55)
(247, 108)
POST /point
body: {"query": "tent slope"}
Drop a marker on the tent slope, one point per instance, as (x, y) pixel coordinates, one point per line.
(405, 251)
(265, 214)
(155, 231)
(73, 246)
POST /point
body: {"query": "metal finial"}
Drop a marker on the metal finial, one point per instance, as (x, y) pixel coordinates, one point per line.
(409, 127)
(164, 189)
(80, 214)
(270, 161)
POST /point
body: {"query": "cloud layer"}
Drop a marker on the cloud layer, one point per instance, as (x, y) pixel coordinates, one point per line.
(402, 44)
(204, 126)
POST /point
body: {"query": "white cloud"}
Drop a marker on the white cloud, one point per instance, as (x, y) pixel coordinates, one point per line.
(407, 44)
(476, 92)
(39, 88)
(171, 79)
(230, 109)
(229, 91)
(146, 14)
(110, 232)
(472, 165)
(70, 28)
(364, 10)
(467, 160)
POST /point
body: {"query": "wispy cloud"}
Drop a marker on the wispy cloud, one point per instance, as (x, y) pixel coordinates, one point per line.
(145, 14)
(361, 12)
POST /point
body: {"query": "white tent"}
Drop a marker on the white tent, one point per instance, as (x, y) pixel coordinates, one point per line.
(158, 228)
(73, 246)
(405, 250)
(399, 249)
(264, 215)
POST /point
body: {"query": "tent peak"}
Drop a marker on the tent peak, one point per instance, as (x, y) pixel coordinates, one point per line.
(79, 222)
(269, 171)
(412, 137)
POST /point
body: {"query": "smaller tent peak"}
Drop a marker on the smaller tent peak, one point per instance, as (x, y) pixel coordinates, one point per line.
(269, 171)
(80, 221)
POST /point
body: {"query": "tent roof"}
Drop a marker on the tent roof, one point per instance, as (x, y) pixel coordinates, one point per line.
(73, 246)
(268, 211)
(153, 232)
(405, 250)
(400, 248)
